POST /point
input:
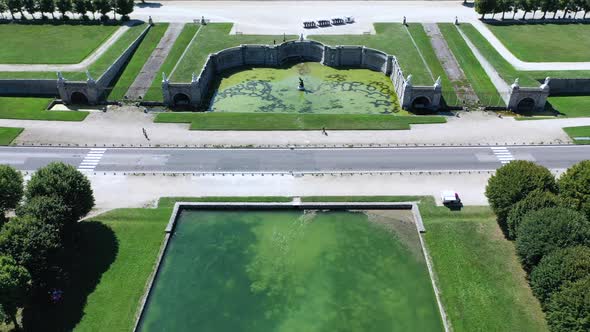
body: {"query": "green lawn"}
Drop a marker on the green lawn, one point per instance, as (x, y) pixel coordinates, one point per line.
(483, 286)
(270, 121)
(35, 109)
(155, 91)
(583, 131)
(135, 64)
(546, 42)
(55, 44)
(474, 73)
(8, 134)
(573, 107)
(212, 38)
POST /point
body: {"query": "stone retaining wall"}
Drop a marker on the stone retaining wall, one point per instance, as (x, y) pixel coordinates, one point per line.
(28, 87)
(569, 86)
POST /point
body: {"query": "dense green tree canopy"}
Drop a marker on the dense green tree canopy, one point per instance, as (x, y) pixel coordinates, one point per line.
(534, 201)
(11, 188)
(14, 287)
(574, 187)
(569, 309)
(50, 210)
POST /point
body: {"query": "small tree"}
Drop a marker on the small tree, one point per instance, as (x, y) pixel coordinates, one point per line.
(566, 6)
(503, 6)
(526, 6)
(14, 6)
(585, 7)
(558, 268)
(11, 190)
(90, 8)
(80, 7)
(546, 230)
(31, 7)
(574, 187)
(15, 281)
(123, 8)
(484, 7)
(534, 201)
(3, 7)
(513, 182)
(102, 6)
(569, 309)
(47, 6)
(67, 184)
(549, 6)
(63, 6)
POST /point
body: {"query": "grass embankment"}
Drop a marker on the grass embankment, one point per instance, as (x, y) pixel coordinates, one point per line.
(582, 131)
(212, 38)
(18, 108)
(255, 121)
(474, 73)
(50, 44)
(483, 287)
(8, 134)
(545, 42)
(137, 61)
(572, 107)
(186, 35)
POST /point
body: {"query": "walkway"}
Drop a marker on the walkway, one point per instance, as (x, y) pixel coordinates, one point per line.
(447, 59)
(82, 66)
(144, 80)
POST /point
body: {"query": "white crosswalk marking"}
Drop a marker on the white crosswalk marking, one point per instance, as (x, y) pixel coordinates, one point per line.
(502, 153)
(92, 159)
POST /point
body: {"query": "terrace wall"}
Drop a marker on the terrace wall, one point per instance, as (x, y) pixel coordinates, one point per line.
(300, 50)
(28, 87)
(569, 86)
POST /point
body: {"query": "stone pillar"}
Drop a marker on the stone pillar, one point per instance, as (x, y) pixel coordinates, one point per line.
(436, 96)
(389, 65)
(513, 95)
(61, 88)
(195, 90)
(166, 91)
(93, 91)
(406, 97)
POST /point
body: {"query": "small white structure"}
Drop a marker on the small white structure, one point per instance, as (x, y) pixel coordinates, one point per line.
(450, 197)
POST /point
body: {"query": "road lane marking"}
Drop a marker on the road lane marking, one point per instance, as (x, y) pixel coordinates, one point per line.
(92, 159)
(502, 154)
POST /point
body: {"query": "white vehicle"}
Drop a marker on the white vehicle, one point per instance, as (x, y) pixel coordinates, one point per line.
(450, 197)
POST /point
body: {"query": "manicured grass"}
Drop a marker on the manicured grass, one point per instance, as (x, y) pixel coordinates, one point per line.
(546, 42)
(474, 73)
(155, 91)
(212, 38)
(255, 121)
(8, 134)
(135, 64)
(51, 44)
(574, 106)
(483, 287)
(168, 202)
(583, 131)
(361, 198)
(391, 38)
(34, 109)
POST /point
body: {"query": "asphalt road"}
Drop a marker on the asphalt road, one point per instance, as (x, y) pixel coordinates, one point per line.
(181, 160)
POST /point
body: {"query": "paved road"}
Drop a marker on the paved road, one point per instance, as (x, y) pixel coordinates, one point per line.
(160, 160)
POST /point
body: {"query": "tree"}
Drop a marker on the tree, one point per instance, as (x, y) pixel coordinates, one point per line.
(558, 268)
(47, 6)
(569, 309)
(80, 7)
(11, 190)
(102, 6)
(34, 245)
(50, 210)
(63, 6)
(526, 6)
(4, 7)
(546, 230)
(14, 6)
(123, 7)
(31, 7)
(574, 187)
(484, 7)
(504, 6)
(566, 6)
(585, 5)
(90, 8)
(513, 182)
(549, 6)
(67, 184)
(534, 201)
(15, 281)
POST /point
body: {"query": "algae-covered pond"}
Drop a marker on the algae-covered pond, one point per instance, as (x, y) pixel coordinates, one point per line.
(293, 271)
(327, 90)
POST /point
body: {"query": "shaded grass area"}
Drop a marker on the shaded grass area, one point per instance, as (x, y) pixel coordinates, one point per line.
(474, 73)
(391, 38)
(582, 131)
(35, 109)
(137, 61)
(255, 121)
(212, 38)
(483, 286)
(155, 91)
(50, 44)
(8, 134)
(545, 42)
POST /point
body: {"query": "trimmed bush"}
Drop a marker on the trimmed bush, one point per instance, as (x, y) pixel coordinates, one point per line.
(534, 201)
(569, 309)
(546, 230)
(558, 268)
(513, 182)
(574, 187)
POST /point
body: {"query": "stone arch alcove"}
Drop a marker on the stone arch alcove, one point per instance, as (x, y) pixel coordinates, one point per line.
(78, 98)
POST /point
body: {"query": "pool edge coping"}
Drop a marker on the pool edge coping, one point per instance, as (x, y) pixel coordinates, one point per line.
(178, 206)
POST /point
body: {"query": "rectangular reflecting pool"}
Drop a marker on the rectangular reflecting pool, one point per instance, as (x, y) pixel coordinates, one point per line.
(292, 270)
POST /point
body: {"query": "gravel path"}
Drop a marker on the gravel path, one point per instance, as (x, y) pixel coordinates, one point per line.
(144, 80)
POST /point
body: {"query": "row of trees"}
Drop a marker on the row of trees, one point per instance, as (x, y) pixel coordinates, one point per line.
(549, 221)
(494, 7)
(37, 244)
(80, 7)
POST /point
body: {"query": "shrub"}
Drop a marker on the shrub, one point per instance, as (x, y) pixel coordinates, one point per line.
(559, 267)
(569, 309)
(50, 210)
(11, 189)
(533, 202)
(574, 187)
(513, 182)
(548, 229)
(67, 184)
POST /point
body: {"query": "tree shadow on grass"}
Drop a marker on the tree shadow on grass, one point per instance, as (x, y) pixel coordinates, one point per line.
(97, 250)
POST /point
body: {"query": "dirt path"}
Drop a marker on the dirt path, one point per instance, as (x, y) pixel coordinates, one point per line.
(462, 88)
(144, 80)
